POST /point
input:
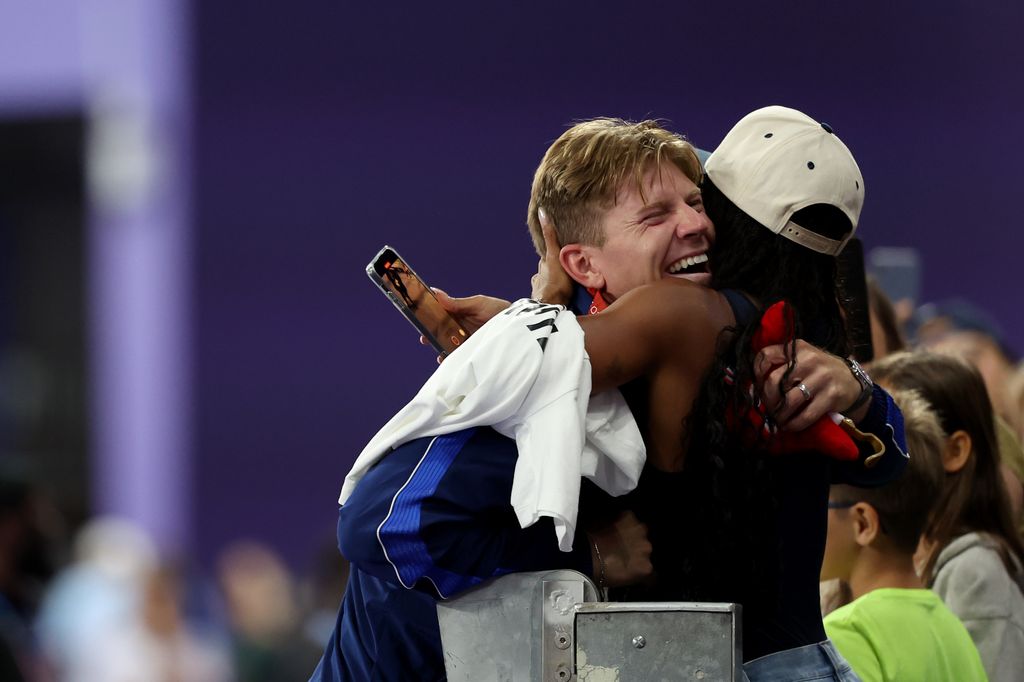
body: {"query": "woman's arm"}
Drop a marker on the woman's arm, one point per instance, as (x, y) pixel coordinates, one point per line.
(670, 326)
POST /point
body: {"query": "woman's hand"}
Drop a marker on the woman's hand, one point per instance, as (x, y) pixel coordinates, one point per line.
(828, 385)
(551, 284)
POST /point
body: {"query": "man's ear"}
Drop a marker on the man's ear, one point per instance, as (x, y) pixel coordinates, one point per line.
(957, 451)
(575, 260)
(866, 524)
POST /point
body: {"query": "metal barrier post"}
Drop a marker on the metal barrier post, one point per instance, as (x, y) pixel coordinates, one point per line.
(550, 626)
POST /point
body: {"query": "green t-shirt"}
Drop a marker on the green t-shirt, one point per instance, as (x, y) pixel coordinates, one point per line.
(904, 635)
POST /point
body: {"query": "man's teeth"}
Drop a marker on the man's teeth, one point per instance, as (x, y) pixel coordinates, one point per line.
(689, 262)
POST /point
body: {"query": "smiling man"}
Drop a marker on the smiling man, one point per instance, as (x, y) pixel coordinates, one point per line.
(622, 232)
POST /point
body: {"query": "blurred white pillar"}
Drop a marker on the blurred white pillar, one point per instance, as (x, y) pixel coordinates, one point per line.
(136, 62)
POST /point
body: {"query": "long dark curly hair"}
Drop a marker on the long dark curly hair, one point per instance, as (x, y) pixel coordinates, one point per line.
(732, 482)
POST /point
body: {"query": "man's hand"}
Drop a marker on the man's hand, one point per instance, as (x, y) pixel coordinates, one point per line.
(624, 551)
(827, 380)
(471, 312)
(551, 284)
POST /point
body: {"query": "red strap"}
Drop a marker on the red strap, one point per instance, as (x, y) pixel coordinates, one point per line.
(598, 303)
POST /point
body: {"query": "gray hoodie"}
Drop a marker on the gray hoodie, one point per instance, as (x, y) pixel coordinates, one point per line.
(972, 580)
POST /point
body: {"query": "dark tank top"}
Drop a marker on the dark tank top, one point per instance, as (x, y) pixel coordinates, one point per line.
(775, 577)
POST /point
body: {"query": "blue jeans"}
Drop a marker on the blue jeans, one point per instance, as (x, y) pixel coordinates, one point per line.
(812, 662)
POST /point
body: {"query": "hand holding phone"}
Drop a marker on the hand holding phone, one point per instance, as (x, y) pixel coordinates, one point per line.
(415, 300)
(472, 312)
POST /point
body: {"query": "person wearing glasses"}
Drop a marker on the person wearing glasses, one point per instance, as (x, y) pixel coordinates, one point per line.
(895, 628)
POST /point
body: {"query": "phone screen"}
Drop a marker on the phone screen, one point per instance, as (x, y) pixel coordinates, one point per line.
(415, 300)
(898, 272)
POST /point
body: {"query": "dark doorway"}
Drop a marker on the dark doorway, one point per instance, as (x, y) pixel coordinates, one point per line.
(43, 303)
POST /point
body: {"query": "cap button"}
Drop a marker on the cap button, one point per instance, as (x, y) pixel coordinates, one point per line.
(828, 128)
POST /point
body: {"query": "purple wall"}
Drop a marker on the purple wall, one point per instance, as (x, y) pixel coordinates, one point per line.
(325, 129)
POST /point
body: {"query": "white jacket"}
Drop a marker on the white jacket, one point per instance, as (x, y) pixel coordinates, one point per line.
(527, 375)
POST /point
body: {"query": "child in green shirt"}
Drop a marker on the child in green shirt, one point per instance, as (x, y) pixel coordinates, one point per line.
(894, 629)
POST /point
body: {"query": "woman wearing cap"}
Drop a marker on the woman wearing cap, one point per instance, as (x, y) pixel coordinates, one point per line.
(739, 524)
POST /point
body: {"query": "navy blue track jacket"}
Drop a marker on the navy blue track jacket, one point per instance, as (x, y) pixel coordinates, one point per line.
(431, 519)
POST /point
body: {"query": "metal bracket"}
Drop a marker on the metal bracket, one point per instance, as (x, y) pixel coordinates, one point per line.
(561, 597)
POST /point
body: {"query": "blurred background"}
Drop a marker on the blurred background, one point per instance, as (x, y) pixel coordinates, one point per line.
(191, 354)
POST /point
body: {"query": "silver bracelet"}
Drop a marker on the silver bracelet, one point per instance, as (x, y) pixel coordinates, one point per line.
(866, 385)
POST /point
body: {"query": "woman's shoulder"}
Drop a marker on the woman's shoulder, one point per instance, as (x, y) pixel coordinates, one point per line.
(971, 574)
(671, 303)
(701, 301)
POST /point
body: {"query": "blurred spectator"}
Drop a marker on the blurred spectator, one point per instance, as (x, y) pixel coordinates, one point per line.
(1011, 449)
(833, 593)
(323, 592)
(1014, 491)
(1011, 464)
(97, 593)
(960, 328)
(1015, 388)
(886, 330)
(263, 615)
(156, 644)
(26, 563)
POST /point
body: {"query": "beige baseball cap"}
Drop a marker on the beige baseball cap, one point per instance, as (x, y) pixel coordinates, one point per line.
(776, 161)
